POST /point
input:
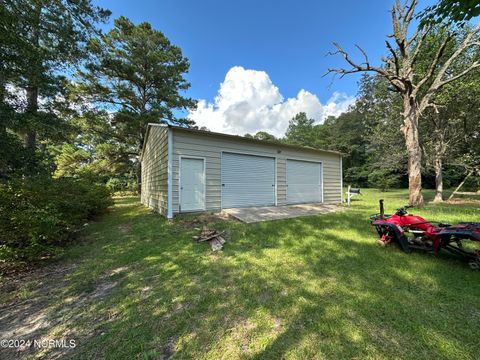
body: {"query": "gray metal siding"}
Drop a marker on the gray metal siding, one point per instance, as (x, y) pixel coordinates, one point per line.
(211, 147)
(154, 190)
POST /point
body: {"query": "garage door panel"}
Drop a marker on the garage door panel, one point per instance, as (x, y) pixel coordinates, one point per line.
(247, 180)
(304, 182)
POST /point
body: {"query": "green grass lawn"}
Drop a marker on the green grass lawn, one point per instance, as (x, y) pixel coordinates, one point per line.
(306, 288)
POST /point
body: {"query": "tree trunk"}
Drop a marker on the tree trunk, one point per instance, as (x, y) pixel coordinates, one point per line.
(438, 179)
(2, 85)
(438, 163)
(30, 137)
(2, 101)
(140, 149)
(410, 130)
(139, 177)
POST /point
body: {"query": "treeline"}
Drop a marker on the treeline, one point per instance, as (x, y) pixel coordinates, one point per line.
(74, 106)
(369, 135)
(415, 122)
(423, 62)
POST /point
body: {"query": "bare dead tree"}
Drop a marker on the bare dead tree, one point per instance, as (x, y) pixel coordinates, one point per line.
(417, 94)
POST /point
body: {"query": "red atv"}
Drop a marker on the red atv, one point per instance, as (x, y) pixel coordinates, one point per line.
(413, 232)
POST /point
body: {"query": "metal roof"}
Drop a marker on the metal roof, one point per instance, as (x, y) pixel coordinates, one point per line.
(238, 137)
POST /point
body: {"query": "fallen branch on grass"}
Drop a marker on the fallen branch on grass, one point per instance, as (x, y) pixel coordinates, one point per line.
(214, 237)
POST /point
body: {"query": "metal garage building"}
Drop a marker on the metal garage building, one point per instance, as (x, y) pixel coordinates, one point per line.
(186, 170)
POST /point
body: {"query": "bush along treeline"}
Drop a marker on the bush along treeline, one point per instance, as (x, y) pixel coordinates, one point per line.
(38, 215)
(40, 41)
(74, 106)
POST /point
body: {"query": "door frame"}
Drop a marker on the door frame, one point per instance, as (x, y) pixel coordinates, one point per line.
(305, 160)
(180, 158)
(275, 177)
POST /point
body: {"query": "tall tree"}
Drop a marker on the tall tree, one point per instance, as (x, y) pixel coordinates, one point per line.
(138, 75)
(418, 93)
(300, 131)
(43, 39)
(452, 127)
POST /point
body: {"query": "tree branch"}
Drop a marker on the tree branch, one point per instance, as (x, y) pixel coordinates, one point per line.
(100, 99)
(419, 45)
(395, 80)
(401, 18)
(475, 65)
(395, 58)
(433, 66)
(439, 80)
(410, 11)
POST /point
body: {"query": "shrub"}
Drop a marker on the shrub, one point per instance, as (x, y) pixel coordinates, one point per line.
(40, 214)
(122, 185)
(472, 184)
(383, 180)
(357, 176)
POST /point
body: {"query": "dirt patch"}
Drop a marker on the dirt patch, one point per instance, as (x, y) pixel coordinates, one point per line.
(36, 311)
(24, 314)
(198, 221)
(17, 283)
(125, 228)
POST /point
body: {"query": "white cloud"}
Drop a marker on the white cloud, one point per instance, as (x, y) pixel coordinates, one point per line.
(248, 101)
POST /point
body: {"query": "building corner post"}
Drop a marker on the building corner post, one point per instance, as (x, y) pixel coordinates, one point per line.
(170, 174)
(341, 178)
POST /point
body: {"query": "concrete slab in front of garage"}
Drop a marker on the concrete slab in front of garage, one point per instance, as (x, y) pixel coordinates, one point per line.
(267, 213)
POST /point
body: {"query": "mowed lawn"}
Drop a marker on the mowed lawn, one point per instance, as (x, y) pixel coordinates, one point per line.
(307, 288)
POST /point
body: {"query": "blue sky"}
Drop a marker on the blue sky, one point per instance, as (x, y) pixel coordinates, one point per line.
(287, 40)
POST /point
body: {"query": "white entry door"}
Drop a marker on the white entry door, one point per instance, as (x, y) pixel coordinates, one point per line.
(247, 180)
(304, 182)
(192, 184)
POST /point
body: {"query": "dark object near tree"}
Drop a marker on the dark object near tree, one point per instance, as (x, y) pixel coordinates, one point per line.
(413, 232)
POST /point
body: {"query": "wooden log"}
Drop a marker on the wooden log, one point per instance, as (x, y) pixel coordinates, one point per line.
(210, 237)
(205, 233)
(459, 186)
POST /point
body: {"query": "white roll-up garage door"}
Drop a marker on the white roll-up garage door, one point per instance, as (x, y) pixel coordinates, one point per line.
(304, 182)
(247, 180)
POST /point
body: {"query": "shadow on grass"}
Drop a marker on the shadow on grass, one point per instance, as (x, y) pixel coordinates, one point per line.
(295, 286)
(301, 288)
